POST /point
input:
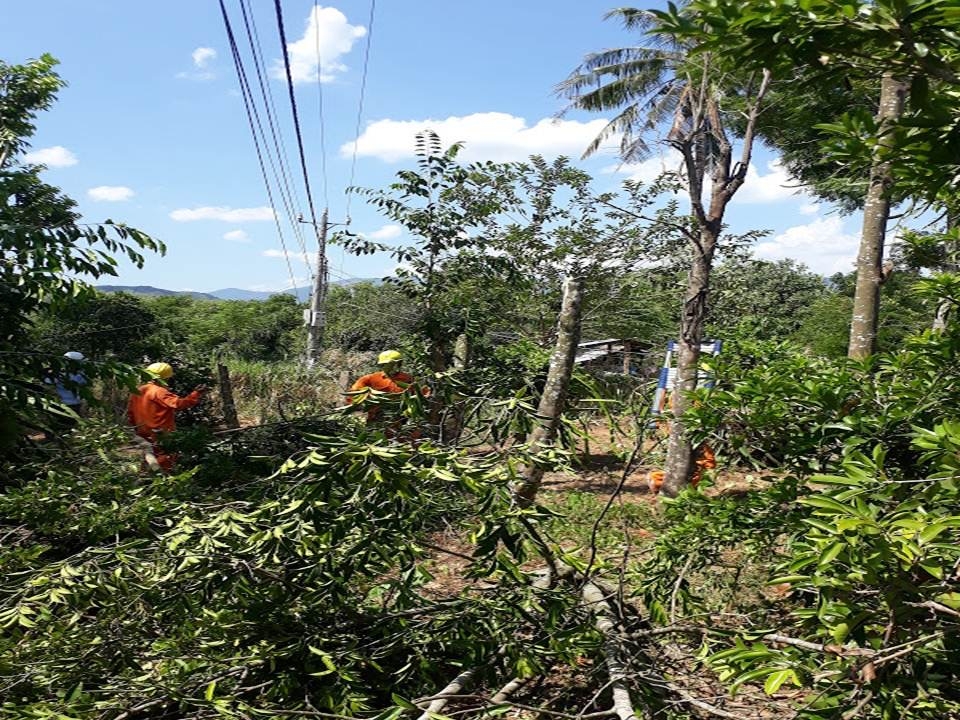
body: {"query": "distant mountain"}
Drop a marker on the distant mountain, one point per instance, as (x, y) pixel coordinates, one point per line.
(226, 293)
(150, 290)
(240, 294)
(301, 292)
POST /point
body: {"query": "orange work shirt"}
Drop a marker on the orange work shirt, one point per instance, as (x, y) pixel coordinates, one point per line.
(381, 382)
(151, 409)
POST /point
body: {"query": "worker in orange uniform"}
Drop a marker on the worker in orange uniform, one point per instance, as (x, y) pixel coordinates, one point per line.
(151, 409)
(705, 460)
(388, 379)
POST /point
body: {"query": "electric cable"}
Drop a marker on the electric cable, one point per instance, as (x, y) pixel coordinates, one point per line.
(247, 101)
(279, 147)
(296, 114)
(363, 90)
(323, 140)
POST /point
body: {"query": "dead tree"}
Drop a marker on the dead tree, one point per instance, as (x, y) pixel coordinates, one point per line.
(699, 134)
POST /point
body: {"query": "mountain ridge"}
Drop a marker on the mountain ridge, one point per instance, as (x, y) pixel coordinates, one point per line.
(223, 293)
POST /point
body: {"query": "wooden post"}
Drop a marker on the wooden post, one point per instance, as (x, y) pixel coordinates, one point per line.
(226, 396)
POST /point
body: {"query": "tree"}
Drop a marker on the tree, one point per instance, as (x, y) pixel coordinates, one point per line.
(439, 206)
(913, 46)
(554, 396)
(876, 211)
(654, 86)
(762, 300)
(101, 326)
(45, 252)
(938, 252)
(368, 317)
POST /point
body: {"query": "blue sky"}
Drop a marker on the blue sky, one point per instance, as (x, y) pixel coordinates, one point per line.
(151, 129)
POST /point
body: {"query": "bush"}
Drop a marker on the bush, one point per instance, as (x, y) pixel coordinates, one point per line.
(777, 407)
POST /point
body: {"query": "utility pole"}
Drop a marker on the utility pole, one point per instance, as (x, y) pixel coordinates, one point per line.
(315, 317)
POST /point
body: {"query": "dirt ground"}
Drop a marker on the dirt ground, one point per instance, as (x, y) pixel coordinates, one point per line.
(601, 470)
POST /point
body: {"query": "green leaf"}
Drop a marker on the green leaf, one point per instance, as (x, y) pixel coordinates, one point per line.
(402, 702)
(931, 532)
(211, 689)
(822, 502)
(778, 678)
(934, 569)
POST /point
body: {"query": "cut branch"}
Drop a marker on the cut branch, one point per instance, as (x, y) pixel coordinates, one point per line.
(456, 686)
(595, 600)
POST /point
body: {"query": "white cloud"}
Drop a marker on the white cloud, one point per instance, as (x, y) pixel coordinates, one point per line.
(387, 232)
(327, 30)
(225, 214)
(650, 169)
(299, 257)
(110, 193)
(300, 282)
(202, 56)
(236, 236)
(56, 156)
(487, 136)
(811, 208)
(776, 185)
(823, 245)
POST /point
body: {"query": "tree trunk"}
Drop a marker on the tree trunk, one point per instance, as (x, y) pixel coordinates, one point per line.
(461, 352)
(554, 396)
(952, 265)
(679, 462)
(451, 423)
(876, 211)
(943, 313)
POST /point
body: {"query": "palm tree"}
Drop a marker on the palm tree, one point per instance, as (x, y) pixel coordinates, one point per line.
(670, 90)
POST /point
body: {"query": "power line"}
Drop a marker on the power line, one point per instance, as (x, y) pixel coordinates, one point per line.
(247, 102)
(318, 295)
(293, 107)
(282, 178)
(323, 140)
(363, 90)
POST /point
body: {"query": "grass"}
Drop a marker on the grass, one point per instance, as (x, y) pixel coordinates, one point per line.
(628, 523)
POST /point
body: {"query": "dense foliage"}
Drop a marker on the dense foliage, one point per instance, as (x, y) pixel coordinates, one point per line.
(335, 560)
(45, 251)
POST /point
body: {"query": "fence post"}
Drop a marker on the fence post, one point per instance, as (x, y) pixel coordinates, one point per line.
(226, 395)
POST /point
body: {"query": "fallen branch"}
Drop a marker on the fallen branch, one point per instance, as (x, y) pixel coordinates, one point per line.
(509, 689)
(136, 710)
(840, 650)
(440, 700)
(528, 708)
(605, 623)
(936, 607)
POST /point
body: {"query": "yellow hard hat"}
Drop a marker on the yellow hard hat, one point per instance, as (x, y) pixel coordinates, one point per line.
(161, 370)
(389, 356)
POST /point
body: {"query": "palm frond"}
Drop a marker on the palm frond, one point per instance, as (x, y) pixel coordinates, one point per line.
(632, 18)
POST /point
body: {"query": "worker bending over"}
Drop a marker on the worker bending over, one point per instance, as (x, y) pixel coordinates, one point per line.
(388, 379)
(151, 409)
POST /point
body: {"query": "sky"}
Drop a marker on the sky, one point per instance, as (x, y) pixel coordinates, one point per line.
(151, 130)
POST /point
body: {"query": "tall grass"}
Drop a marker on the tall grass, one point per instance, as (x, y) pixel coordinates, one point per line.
(268, 391)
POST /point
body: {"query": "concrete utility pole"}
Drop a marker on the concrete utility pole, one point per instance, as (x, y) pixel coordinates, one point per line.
(315, 317)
